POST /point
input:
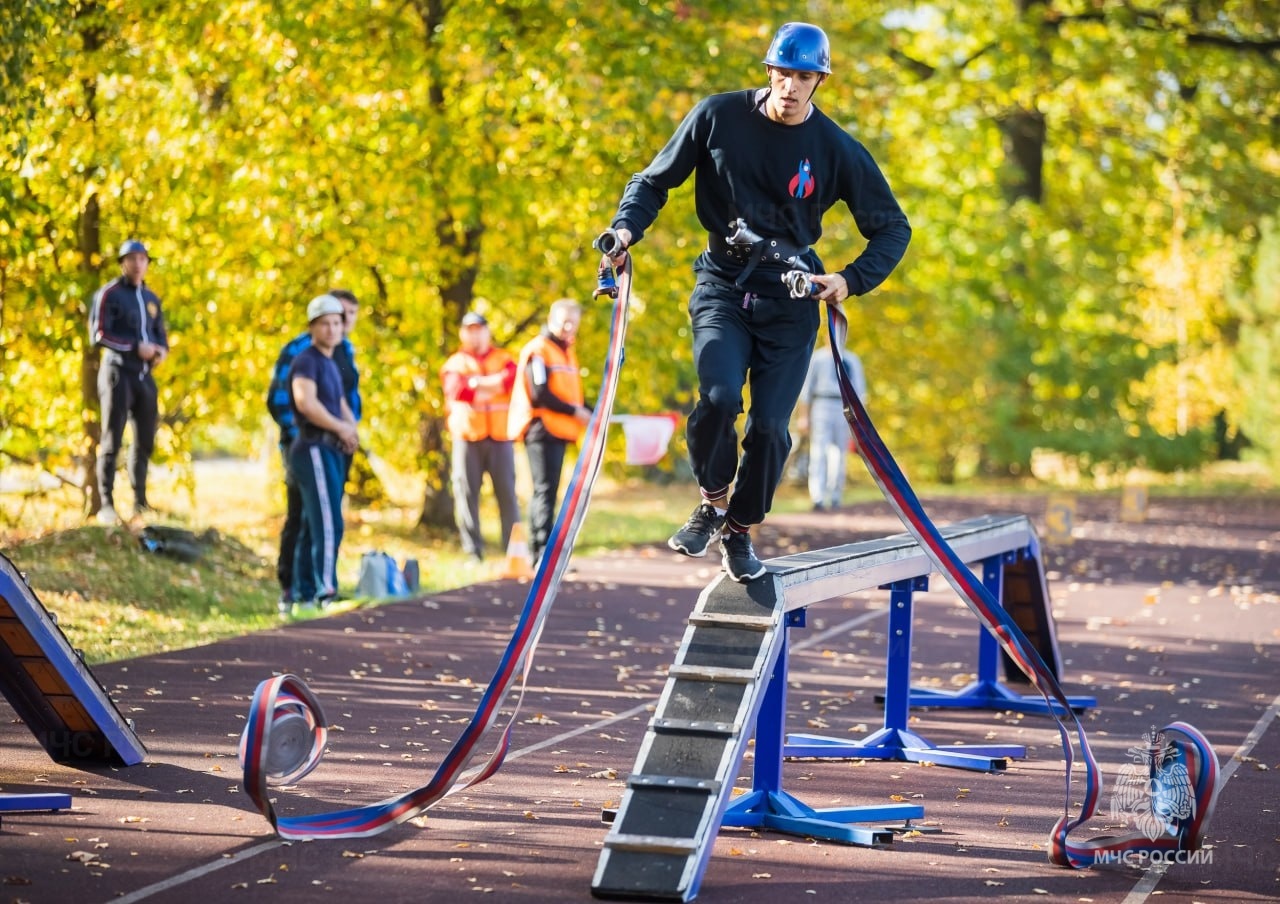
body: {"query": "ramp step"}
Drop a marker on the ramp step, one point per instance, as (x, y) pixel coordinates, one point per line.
(746, 622)
(643, 876)
(660, 811)
(674, 782)
(712, 673)
(705, 701)
(688, 755)
(696, 726)
(653, 844)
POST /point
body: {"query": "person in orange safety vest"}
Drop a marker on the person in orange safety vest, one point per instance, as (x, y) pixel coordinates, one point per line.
(547, 412)
(477, 391)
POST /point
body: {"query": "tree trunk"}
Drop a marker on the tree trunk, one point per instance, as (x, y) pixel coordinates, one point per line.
(459, 253)
(89, 239)
(1023, 132)
(455, 297)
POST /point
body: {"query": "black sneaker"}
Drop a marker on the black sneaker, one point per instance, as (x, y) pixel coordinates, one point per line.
(739, 558)
(702, 527)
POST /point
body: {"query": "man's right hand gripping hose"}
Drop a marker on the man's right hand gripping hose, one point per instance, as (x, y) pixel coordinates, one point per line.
(613, 249)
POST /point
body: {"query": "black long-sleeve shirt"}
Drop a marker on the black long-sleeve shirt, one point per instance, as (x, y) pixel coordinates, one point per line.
(780, 178)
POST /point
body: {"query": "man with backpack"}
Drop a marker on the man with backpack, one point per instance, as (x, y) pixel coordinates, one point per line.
(294, 545)
(327, 435)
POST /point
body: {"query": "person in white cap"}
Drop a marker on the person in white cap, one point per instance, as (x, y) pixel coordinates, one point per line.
(317, 459)
(280, 407)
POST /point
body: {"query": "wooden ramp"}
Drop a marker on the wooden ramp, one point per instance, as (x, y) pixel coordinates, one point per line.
(1026, 599)
(51, 689)
(690, 756)
(731, 668)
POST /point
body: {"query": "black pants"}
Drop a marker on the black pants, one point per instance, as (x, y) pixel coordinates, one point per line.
(293, 522)
(546, 461)
(126, 396)
(292, 525)
(737, 338)
(471, 461)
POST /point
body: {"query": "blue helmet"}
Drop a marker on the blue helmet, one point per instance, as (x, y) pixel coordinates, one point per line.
(132, 246)
(802, 47)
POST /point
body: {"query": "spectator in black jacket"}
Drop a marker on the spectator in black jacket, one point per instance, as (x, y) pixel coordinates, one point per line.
(126, 320)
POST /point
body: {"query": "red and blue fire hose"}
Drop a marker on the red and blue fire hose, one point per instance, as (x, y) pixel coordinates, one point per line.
(1182, 767)
(286, 731)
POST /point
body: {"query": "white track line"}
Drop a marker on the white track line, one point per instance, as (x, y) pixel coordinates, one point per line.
(1155, 872)
(1141, 891)
(197, 872)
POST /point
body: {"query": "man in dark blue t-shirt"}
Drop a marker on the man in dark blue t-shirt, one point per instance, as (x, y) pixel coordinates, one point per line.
(317, 458)
(768, 166)
(280, 406)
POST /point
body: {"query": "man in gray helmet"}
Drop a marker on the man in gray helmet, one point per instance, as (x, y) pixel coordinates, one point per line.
(127, 321)
(769, 165)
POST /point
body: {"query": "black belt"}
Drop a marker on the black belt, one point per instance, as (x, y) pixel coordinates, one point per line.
(130, 362)
(776, 251)
(308, 433)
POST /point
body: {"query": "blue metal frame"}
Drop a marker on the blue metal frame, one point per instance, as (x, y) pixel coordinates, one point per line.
(987, 692)
(768, 806)
(894, 741)
(25, 803)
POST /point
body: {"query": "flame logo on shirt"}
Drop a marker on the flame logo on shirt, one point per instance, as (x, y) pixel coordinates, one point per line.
(801, 184)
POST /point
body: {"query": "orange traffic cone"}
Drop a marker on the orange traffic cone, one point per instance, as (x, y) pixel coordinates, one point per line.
(517, 565)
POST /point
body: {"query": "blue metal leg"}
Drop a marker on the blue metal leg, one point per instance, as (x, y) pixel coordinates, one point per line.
(768, 806)
(894, 741)
(20, 803)
(987, 692)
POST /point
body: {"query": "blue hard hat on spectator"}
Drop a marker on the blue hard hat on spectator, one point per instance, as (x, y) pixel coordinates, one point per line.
(800, 46)
(132, 246)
